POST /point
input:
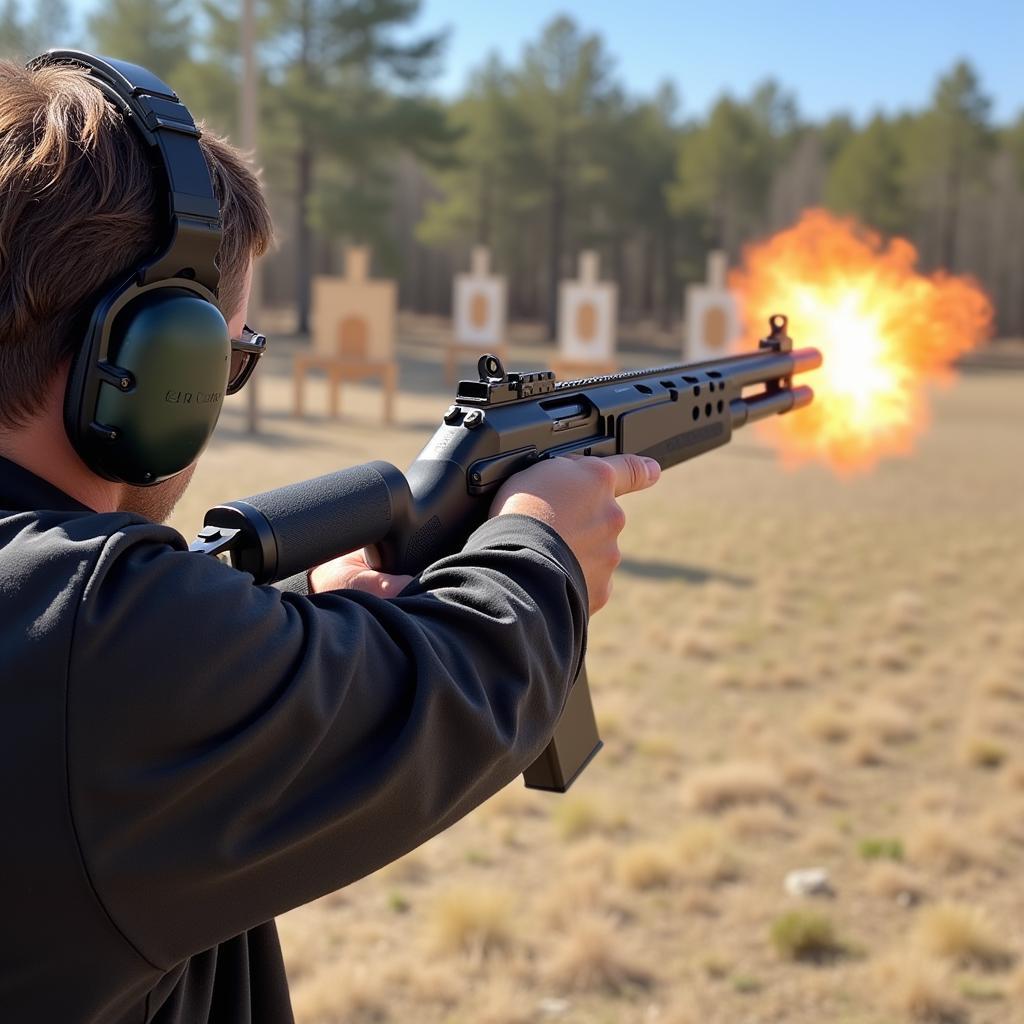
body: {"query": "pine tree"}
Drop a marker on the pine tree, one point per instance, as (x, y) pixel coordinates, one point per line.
(724, 173)
(13, 42)
(158, 36)
(949, 149)
(868, 178)
(479, 187)
(48, 26)
(343, 97)
(560, 93)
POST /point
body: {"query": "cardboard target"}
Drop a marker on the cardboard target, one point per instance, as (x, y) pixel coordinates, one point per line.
(354, 316)
(713, 328)
(587, 310)
(479, 304)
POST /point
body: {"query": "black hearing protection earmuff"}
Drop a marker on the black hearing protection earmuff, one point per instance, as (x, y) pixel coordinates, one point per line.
(147, 385)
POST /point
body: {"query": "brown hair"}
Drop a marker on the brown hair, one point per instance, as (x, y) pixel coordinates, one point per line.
(79, 206)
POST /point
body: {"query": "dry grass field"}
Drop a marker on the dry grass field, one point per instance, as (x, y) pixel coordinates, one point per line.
(796, 671)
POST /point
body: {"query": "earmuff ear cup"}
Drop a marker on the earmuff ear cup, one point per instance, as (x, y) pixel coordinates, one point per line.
(174, 345)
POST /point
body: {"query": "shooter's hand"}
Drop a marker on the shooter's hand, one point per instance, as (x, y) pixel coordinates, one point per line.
(576, 497)
(350, 572)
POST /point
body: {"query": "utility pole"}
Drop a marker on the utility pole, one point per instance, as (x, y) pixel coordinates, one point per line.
(248, 117)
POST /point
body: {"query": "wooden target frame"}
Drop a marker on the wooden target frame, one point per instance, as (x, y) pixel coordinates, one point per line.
(353, 336)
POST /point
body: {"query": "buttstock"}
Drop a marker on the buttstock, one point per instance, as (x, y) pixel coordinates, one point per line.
(292, 529)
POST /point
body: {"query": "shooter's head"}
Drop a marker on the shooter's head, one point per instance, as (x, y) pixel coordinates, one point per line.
(81, 207)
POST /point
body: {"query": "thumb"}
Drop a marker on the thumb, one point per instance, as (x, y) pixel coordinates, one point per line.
(633, 472)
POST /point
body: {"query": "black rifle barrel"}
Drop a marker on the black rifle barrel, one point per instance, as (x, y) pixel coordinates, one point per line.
(762, 367)
(413, 519)
(772, 403)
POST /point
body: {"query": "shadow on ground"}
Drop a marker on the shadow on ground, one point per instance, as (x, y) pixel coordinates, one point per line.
(652, 570)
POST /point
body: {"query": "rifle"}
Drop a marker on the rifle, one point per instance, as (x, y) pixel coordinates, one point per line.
(499, 425)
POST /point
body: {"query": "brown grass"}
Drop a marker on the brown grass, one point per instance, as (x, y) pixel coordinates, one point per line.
(515, 801)
(412, 869)
(728, 677)
(962, 934)
(1014, 776)
(890, 657)
(592, 958)
(866, 751)
(896, 882)
(806, 935)
(827, 722)
(646, 866)
(980, 751)
(706, 854)
(1002, 686)
(576, 816)
(821, 841)
(594, 855)
(438, 982)
(905, 611)
(698, 644)
(948, 845)
(921, 989)
(475, 921)
(799, 769)
(720, 787)
(308, 939)
(591, 892)
(503, 1002)
(1015, 987)
(358, 994)
(760, 821)
(1004, 821)
(886, 721)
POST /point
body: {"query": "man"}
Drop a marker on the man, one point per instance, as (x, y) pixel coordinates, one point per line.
(185, 755)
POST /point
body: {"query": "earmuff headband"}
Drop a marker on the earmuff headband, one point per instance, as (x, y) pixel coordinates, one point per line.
(151, 107)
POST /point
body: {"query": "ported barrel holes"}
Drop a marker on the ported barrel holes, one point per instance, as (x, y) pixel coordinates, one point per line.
(721, 405)
(714, 373)
(691, 380)
(707, 409)
(670, 384)
(696, 391)
(696, 412)
(644, 389)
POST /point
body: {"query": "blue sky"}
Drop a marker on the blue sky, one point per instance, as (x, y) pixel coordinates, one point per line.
(852, 55)
(855, 55)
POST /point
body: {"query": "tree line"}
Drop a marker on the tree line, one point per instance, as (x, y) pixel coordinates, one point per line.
(551, 154)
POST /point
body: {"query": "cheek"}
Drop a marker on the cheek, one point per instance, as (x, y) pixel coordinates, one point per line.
(157, 503)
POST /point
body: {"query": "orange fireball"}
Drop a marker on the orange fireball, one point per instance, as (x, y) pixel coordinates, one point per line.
(885, 330)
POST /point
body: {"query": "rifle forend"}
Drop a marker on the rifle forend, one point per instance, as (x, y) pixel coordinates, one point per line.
(497, 426)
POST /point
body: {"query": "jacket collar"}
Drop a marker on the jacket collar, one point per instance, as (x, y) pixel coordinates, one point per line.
(22, 491)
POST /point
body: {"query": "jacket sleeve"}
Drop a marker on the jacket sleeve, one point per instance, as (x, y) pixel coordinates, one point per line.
(235, 751)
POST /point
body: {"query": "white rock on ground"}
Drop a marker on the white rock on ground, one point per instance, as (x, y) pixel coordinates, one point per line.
(809, 882)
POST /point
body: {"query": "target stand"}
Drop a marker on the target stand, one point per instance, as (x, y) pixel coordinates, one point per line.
(353, 335)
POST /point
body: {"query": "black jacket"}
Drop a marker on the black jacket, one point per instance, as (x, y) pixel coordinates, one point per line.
(184, 755)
